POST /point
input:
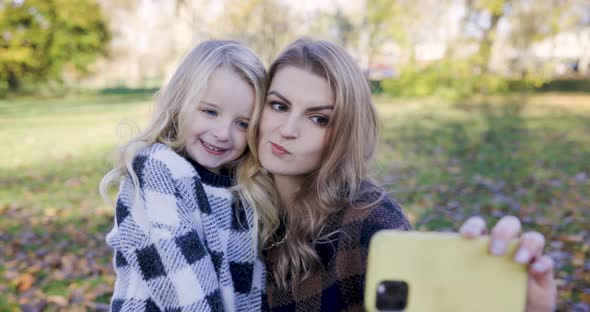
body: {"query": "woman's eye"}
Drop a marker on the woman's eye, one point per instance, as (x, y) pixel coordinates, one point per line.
(242, 124)
(320, 120)
(279, 107)
(209, 112)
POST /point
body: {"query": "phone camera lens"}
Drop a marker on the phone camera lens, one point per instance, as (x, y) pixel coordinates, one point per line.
(392, 296)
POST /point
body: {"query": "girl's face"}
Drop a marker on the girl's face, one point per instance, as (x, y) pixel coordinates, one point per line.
(218, 125)
(294, 122)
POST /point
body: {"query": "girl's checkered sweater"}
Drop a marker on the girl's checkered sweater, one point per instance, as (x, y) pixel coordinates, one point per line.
(182, 244)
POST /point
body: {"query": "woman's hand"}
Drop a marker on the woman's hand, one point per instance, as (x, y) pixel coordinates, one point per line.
(541, 289)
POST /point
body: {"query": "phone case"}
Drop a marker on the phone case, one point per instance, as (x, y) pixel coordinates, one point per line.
(442, 272)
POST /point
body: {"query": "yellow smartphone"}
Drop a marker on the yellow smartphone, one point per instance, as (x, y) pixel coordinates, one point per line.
(425, 271)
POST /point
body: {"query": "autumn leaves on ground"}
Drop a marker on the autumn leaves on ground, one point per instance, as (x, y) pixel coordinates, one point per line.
(444, 161)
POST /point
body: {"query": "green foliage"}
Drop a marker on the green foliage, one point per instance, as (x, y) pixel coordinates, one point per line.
(569, 85)
(495, 7)
(458, 79)
(450, 79)
(265, 25)
(383, 19)
(41, 38)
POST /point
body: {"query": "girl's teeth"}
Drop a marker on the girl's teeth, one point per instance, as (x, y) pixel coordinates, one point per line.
(213, 148)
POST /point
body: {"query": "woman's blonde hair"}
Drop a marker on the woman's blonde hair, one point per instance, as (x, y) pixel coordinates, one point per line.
(336, 185)
(176, 101)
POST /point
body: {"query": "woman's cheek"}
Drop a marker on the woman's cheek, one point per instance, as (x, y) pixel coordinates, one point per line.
(264, 123)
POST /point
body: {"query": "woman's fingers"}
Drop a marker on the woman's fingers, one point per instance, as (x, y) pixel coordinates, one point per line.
(541, 290)
(505, 230)
(473, 227)
(542, 270)
(531, 246)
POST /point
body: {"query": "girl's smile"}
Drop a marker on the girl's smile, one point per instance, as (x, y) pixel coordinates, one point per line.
(210, 148)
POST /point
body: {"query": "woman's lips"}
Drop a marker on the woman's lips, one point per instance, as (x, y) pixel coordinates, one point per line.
(278, 150)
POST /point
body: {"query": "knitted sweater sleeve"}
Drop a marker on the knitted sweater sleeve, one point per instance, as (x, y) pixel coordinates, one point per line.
(161, 257)
(388, 215)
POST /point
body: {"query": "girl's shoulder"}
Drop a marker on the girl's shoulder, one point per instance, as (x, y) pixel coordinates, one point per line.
(163, 157)
(160, 151)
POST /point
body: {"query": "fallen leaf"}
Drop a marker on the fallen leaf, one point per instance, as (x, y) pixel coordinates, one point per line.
(572, 238)
(59, 300)
(24, 282)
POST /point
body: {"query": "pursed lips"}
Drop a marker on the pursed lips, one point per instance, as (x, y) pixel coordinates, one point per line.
(279, 148)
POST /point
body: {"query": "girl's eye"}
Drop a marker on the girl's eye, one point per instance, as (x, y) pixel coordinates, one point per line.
(242, 124)
(320, 120)
(278, 106)
(209, 112)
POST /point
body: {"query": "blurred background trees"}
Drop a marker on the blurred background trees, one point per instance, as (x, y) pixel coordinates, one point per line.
(42, 39)
(409, 47)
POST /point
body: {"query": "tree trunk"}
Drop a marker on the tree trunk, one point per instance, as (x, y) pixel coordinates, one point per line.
(487, 43)
(13, 81)
(584, 62)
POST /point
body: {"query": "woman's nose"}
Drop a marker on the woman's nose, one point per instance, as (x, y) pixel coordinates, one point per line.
(290, 129)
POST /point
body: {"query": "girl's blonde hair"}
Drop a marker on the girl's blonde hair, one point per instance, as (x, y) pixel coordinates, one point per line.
(336, 185)
(176, 101)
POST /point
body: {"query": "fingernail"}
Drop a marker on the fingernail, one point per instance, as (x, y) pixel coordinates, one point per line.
(498, 247)
(522, 256)
(539, 267)
(469, 231)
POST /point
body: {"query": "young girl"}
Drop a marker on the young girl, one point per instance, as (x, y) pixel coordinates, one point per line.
(180, 242)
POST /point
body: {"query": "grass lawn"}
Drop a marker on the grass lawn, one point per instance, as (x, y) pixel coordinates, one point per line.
(527, 156)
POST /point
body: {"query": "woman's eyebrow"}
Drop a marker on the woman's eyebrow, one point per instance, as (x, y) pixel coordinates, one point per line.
(319, 108)
(277, 94)
(313, 109)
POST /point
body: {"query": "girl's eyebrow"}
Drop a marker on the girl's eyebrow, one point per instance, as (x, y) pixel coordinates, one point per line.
(245, 117)
(210, 104)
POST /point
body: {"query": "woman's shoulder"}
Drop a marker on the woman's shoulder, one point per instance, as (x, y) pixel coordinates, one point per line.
(374, 206)
(373, 210)
(164, 160)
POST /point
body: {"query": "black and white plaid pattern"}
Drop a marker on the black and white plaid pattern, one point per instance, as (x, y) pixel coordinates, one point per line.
(180, 244)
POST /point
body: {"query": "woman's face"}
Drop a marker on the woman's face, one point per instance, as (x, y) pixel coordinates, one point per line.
(294, 123)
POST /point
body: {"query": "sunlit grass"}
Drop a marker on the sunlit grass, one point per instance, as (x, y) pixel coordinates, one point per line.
(443, 161)
(55, 153)
(430, 146)
(50, 131)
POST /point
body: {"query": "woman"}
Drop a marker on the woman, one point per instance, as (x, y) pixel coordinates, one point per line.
(307, 180)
